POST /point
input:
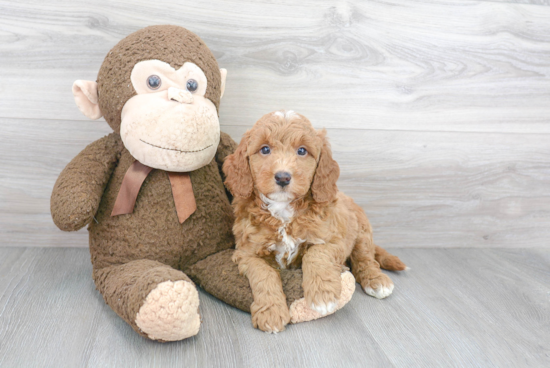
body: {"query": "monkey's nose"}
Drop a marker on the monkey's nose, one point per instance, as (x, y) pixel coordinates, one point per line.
(282, 178)
(179, 95)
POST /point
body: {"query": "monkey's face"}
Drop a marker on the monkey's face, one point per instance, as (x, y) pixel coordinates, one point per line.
(169, 124)
(160, 88)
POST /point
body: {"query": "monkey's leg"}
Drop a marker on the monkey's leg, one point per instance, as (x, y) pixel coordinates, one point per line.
(159, 302)
(219, 276)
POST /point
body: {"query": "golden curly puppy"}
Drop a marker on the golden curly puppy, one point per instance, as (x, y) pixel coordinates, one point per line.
(289, 213)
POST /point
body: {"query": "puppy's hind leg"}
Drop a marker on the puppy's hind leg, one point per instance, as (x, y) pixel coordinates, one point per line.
(388, 261)
(367, 270)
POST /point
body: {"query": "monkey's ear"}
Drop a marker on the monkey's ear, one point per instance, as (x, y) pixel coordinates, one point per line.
(86, 98)
(223, 73)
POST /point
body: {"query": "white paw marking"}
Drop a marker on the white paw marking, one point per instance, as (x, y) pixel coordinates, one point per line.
(324, 309)
(271, 330)
(380, 293)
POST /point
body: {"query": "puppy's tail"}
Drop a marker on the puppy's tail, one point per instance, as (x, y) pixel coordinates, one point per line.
(388, 261)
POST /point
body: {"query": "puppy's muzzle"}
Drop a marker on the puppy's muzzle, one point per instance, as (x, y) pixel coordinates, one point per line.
(282, 178)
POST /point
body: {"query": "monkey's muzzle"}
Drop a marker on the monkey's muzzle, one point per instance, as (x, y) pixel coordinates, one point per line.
(179, 95)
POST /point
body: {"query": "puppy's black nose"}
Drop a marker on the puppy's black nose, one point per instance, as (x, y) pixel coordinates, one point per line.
(282, 178)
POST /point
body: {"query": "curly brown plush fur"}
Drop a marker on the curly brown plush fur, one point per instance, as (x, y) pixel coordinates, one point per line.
(131, 254)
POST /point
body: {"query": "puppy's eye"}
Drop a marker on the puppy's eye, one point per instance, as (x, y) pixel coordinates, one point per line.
(192, 85)
(154, 82)
(265, 150)
(301, 151)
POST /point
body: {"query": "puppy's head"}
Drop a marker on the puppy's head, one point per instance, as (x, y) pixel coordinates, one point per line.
(283, 158)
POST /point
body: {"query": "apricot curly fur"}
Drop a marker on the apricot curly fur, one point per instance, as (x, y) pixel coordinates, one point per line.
(331, 228)
(237, 172)
(324, 187)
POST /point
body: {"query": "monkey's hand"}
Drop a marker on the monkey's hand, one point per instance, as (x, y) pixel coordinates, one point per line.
(226, 147)
(78, 190)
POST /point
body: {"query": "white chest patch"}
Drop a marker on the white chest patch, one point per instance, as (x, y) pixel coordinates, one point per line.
(281, 210)
(288, 246)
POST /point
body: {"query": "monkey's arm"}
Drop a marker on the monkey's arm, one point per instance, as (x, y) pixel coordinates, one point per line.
(226, 147)
(78, 190)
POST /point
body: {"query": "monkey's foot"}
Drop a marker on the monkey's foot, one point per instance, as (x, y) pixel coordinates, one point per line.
(170, 312)
(301, 312)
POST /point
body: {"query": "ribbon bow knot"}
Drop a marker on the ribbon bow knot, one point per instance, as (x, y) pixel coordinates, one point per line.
(182, 191)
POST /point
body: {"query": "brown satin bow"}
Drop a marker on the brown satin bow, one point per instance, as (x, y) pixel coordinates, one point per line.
(182, 191)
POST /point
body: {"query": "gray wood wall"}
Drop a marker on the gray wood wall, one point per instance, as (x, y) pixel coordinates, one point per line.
(438, 111)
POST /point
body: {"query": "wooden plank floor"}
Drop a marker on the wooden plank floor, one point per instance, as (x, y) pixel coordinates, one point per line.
(455, 307)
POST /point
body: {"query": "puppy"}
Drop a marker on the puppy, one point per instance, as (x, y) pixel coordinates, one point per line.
(289, 213)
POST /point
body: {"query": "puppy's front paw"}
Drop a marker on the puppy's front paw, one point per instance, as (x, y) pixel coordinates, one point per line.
(379, 287)
(270, 318)
(322, 294)
(325, 308)
(301, 312)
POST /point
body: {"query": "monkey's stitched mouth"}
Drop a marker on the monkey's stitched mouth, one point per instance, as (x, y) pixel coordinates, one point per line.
(174, 149)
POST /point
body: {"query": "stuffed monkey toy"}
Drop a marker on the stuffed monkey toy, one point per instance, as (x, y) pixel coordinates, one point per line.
(152, 193)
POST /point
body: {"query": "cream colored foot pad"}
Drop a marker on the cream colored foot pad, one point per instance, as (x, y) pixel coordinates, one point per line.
(170, 312)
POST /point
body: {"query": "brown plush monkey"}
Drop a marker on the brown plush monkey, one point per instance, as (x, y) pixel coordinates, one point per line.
(152, 192)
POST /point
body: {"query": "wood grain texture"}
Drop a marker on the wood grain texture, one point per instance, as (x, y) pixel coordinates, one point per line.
(438, 111)
(419, 189)
(455, 307)
(531, 2)
(396, 64)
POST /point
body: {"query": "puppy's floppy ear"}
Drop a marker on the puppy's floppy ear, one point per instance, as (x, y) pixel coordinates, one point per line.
(238, 178)
(324, 187)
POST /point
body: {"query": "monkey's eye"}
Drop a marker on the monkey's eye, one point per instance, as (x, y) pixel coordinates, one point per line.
(301, 151)
(192, 85)
(265, 150)
(154, 82)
